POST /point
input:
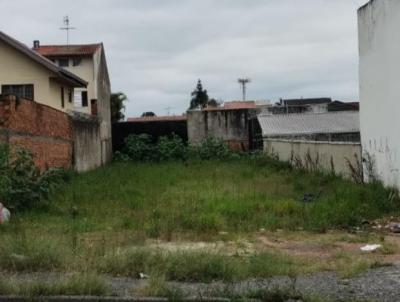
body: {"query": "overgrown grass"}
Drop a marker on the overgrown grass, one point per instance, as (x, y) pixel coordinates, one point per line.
(93, 222)
(75, 285)
(201, 266)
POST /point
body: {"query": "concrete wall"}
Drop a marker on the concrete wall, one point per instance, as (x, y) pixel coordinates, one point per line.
(327, 156)
(103, 88)
(87, 143)
(55, 138)
(17, 68)
(43, 130)
(232, 126)
(379, 39)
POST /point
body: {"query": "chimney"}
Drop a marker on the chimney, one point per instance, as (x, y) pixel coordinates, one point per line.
(36, 44)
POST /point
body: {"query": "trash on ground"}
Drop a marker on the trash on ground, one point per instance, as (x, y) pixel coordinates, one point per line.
(5, 214)
(370, 247)
(395, 228)
(143, 276)
(310, 197)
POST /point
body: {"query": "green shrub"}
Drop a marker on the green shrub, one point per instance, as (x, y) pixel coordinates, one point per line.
(171, 148)
(139, 147)
(142, 148)
(212, 148)
(22, 184)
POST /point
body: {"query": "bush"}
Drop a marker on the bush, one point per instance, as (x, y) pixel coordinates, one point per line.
(171, 148)
(22, 185)
(139, 147)
(142, 148)
(212, 148)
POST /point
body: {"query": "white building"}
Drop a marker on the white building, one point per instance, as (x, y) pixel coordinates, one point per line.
(379, 44)
(87, 61)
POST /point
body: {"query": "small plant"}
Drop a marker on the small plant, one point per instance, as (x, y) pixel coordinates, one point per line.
(22, 184)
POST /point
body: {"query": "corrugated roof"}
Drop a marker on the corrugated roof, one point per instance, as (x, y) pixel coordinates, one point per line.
(147, 119)
(62, 73)
(299, 124)
(67, 50)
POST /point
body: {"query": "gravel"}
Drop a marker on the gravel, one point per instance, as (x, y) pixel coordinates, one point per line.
(381, 284)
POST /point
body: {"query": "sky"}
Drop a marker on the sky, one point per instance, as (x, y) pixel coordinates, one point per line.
(158, 49)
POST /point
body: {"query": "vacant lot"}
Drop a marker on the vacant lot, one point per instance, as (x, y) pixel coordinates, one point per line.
(199, 222)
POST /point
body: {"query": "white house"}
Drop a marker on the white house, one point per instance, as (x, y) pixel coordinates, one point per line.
(379, 46)
(87, 61)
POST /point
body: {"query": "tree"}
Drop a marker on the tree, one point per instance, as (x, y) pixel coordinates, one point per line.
(117, 106)
(213, 103)
(199, 97)
(148, 113)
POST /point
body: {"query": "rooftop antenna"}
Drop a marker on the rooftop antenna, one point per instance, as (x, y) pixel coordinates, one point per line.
(243, 82)
(66, 27)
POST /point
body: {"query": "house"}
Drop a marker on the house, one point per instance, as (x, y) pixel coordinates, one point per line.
(88, 61)
(303, 105)
(28, 75)
(328, 141)
(379, 46)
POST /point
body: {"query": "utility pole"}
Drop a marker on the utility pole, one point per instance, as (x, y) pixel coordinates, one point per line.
(66, 27)
(243, 82)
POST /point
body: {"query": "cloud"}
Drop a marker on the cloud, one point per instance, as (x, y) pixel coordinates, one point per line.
(157, 49)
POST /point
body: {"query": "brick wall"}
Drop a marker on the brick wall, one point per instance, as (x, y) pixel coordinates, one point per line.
(45, 131)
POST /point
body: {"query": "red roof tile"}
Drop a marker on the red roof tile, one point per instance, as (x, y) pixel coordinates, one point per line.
(158, 118)
(67, 50)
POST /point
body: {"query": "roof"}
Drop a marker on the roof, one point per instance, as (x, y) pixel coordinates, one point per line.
(341, 106)
(235, 105)
(147, 119)
(310, 101)
(61, 73)
(68, 50)
(300, 124)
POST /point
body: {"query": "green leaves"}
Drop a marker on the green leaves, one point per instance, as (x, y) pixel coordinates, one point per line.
(22, 185)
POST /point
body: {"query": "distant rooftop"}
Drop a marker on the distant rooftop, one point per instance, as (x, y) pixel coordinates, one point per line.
(308, 101)
(67, 50)
(147, 119)
(306, 123)
(234, 105)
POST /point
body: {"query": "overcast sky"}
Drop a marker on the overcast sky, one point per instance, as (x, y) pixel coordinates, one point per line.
(158, 49)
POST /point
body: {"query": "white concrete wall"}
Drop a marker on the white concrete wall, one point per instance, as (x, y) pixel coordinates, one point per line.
(379, 44)
(328, 154)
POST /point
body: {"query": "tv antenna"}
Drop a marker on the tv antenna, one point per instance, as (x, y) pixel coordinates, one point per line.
(66, 27)
(243, 83)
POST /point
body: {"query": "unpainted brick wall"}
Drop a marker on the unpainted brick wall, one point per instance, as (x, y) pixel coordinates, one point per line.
(45, 131)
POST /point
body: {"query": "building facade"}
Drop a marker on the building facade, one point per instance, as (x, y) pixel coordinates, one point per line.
(88, 61)
(28, 75)
(379, 46)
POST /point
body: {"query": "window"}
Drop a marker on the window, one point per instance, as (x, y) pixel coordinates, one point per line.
(63, 62)
(23, 91)
(76, 61)
(84, 99)
(62, 98)
(70, 95)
